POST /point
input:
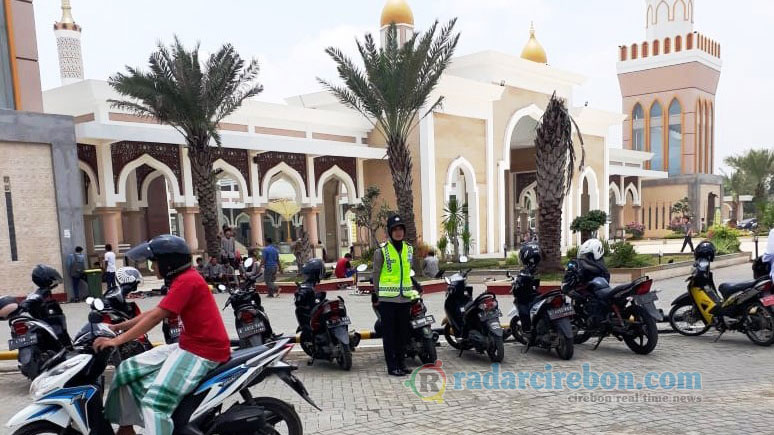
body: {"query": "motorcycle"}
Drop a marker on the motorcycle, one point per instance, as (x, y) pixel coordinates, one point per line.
(323, 326)
(117, 309)
(746, 306)
(541, 320)
(38, 330)
(472, 323)
(68, 395)
(252, 323)
(627, 312)
(423, 339)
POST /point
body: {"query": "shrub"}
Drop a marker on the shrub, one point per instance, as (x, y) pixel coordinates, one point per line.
(572, 252)
(590, 222)
(442, 244)
(725, 239)
(512, 260)
(677, 227)
(636, 229)
(624, 255)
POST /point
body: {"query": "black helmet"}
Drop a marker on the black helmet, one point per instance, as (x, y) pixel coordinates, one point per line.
(704, 250)
(313, 270)
(394, 221)
(529, 254)
(170, 253)
(45, 276)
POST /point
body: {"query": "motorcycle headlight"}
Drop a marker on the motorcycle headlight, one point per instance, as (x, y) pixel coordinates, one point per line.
(52, 379)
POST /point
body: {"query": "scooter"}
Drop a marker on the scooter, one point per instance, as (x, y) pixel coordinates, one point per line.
(118, 309)
(252, 323)
(541, 320)
(423, 339)
(472, 323)
(68, 395)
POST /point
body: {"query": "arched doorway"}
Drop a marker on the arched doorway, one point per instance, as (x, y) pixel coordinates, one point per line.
(283, 223)
(335, 229)
(461, 184)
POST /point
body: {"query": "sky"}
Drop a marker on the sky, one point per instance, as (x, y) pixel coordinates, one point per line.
(288, 38)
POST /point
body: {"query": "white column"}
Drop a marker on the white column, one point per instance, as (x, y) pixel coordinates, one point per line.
(490, 202)
(311, 182)
(106, 184)
(255, 181)
(428, 180)
(501, 189)
(189, 200)
(360, 180)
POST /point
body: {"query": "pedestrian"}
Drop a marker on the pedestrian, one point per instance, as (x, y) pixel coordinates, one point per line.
(148, 387)
(431, 264)
(213, 272)
(688, 234)
(271, 264)
(395, 292)
(228, 247)
(324, 252)
(76, 265)
(344, 267)
(109, 266)
(302, 250)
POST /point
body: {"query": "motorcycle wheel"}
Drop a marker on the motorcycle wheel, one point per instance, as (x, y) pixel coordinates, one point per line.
(255, 340)
(580, 333)
(345, 357)
(763, 320)
(277, 413)
(450, 338)
(496, 349)
(40, 428)
(565, 348)
(428, 355)
(644, 342)
(516, 331)
(686, 321)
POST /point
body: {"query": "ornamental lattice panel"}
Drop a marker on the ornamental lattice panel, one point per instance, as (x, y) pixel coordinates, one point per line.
(270, 159)
(124, 152)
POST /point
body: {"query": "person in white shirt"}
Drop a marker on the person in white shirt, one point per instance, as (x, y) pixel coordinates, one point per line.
(109, 266)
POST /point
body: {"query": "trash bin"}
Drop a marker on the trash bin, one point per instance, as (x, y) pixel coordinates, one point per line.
(94, 282)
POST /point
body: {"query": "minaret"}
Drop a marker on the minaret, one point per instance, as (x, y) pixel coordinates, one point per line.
(398, 12)
(68, 43)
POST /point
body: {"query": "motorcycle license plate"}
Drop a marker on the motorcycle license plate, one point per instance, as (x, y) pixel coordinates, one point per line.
(767, 301)
(175, 332)
(487, 315)
(558, 313)
(341, 321)
(644, 299)
(251, 329)
(425, 321)
(23, 341)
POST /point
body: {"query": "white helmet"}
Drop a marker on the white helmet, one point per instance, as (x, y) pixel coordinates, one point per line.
(128, 275)
(592, 246)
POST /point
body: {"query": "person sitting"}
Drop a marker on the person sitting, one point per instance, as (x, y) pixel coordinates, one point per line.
(200, 265)
(213, 272)
(431, 265)
(252, 272)
(344, 267)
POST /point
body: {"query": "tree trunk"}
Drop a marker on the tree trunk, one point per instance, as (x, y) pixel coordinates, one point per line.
(550, 234)
(399, 160)
(206, 194)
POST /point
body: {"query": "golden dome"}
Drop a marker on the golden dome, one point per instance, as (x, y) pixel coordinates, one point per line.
(533, 50)
(398, 12)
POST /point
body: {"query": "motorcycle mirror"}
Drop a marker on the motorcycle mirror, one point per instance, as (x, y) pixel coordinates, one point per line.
(463, 259)
(362, 268)
(221, 287)
(412, 273)
(97, 304)
(89, 300)
(248, 263)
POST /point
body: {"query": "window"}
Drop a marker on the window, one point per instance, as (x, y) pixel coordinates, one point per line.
(657, 137)
(638, 128)
(6, 78)
(675, 138)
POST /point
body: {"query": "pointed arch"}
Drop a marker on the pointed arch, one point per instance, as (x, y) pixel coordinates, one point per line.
(690, 10)
(531, 111)
(589, 176)
(146, 159)
(662, 12)
(656, 135)
(529, 194)
(651, 17)
(283, 168)
(143, 189)
(616, 191)
(471, 186)
(680, 7)
(338, 173)
(234, 173)
(635, 194)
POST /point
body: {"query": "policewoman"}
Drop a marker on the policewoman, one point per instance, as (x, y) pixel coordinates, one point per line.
(392, 282)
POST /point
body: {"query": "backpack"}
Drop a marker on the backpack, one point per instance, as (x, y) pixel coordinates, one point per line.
(78, 265)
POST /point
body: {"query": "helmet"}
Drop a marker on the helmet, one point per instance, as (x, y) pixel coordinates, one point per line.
(46, 277)
(394, 221)
(704, 250)
(529, 254)
(128, 276)
(171, 253)
(592, 246)
(313, 270)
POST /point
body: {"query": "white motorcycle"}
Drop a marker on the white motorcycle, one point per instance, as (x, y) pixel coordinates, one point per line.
(68, 394)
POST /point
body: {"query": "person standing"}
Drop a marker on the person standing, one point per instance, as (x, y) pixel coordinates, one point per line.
(76, 265)
(228, 248)
(688, 234)
(109, 266)
(271, 264)
(392, 282)
(431, 265)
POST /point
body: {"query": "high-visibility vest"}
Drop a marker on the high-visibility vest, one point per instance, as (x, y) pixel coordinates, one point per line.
(395, 278)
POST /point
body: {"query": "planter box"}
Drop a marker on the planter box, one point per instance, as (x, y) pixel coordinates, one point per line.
(290, 287)
(673, 270)
(434, 286)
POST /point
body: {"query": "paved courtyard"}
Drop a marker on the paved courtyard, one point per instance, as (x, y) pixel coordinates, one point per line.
(737, 393)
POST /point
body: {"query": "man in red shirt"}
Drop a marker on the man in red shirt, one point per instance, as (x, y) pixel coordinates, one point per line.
(158, 380)
(344, 266)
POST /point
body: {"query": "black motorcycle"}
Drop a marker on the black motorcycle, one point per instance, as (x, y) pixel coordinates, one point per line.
(38, 330)
(423, 339)
(252, 323)
(542, 320)
(118, 309)
(472, 323)
(627, 312)
(323, 325)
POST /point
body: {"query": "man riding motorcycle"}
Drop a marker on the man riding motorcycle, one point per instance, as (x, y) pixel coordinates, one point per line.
(156, 381)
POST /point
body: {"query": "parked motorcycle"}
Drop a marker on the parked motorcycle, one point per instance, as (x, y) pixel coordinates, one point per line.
(38, 329)
(68, 395)
(472, 323)
(746, 306)
(252, 323)
(423, 339)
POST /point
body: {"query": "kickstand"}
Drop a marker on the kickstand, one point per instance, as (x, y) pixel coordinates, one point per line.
(310, 362)
(601, 337)
(526, 348)
(719, 335)
(461, 350)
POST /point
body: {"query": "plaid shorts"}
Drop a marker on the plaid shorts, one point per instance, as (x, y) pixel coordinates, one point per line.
(148, 387)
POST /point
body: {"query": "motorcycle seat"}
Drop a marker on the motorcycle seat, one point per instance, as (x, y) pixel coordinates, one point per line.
(728, 288)
(238, 358)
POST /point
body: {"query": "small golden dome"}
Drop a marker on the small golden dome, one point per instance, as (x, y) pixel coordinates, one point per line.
(533, 50)
(398, 12)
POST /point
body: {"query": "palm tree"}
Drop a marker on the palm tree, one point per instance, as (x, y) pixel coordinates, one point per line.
(757, 167)
(735, 184)
(391, 91)
(555, 161)
(455, 218)
(192, 97)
